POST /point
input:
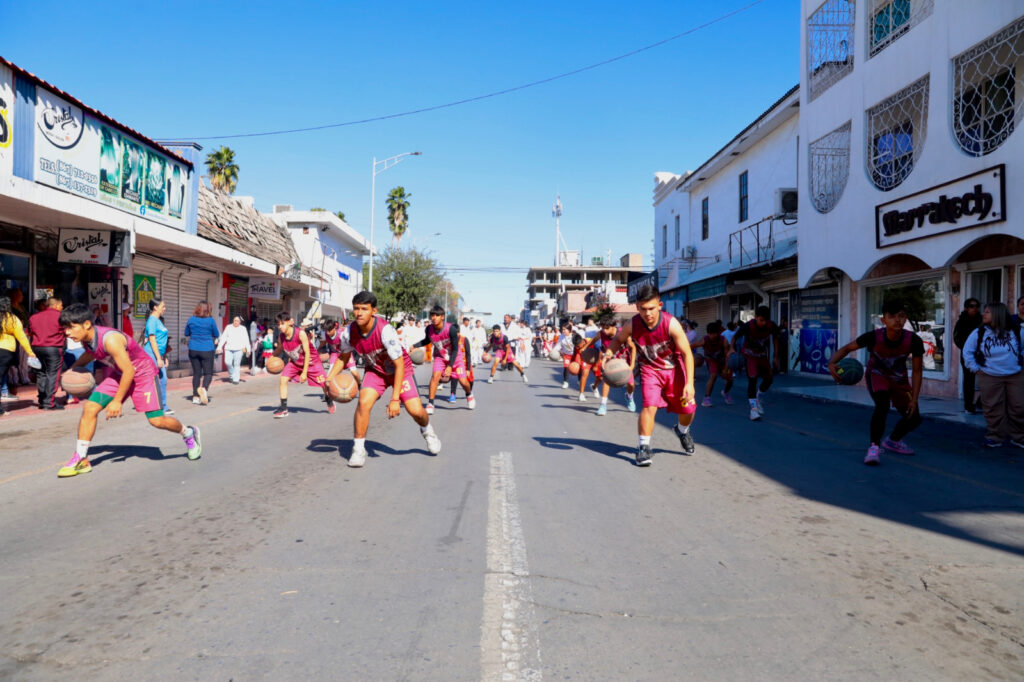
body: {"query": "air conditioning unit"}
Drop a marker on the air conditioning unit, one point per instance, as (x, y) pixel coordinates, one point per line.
(786, 201)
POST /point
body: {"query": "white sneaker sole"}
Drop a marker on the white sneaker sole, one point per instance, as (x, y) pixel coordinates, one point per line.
(357, 460)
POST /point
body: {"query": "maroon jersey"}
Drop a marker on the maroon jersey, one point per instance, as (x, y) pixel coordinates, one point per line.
(442, 341)
(140, 360)
(714, 348)
(293, 347)
(498, 343)
(380, 348)
(888, 360)
(755, 339)
(604, 341)
(655, 347)
(333, 343)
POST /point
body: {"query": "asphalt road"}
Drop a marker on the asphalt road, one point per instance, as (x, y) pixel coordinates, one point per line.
(530, 548)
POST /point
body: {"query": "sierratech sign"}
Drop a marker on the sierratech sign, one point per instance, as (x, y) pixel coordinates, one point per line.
(970, 201)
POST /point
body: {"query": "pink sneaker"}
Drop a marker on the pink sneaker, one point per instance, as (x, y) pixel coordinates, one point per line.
(871, 459)
(727, 397)
(897, 446)
(707, 402)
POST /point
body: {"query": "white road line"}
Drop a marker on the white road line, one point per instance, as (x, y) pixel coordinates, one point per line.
(509, 641)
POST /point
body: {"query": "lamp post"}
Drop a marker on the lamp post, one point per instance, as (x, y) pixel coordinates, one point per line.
(375, 171)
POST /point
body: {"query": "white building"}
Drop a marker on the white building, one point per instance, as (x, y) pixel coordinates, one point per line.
(909, 159)
(547, 285)
(331, 253)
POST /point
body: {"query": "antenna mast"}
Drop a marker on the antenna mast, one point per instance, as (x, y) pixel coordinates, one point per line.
(556, 213)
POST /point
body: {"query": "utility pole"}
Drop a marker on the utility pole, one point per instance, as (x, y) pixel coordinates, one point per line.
(556, 212)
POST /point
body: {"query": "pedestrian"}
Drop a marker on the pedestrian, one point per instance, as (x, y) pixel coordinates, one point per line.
(730, 331)
(254, 335)
(479, 339)
(201, 334)
(156, 344)
(890, 347)
(1018, 318)
(387, 364)
(994, 354)
(12, 334)
(233, 342)
(266, 344)
(666, 370)
(48, 342)
(449, 360)
(566, 348)
(130, 374)
(968, 322)
(751, 341)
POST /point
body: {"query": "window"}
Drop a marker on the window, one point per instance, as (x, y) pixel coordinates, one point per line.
(829, 167)
(704, 219)
(892, 18)
(987, 81)
(896, 129)
(925, 301)
(664, 241)
(829, 45)
(677, 233)
(744, 200)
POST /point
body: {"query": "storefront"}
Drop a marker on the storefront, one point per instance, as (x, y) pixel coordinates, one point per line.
(181, 287)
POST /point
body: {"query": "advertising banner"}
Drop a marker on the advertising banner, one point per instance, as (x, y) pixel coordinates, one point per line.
(80, 154)
(265, 288)
(144, 292)
(6, 121)
(815, 324)
(101, 301)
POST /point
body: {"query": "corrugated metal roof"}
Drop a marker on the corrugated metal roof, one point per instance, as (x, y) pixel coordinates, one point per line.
(228, 221)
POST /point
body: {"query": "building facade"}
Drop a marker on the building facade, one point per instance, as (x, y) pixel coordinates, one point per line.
(909, 161)
(551, 290)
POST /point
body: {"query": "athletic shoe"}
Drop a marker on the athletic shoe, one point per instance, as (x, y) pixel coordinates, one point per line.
(471, 401)
(433, 442)
(602, 410)
(565, 384)
(195, 400)
(358, 457)
(727, 398)
(993, 443)
(330, 404)
(1017, 443)
(490, 380)
(897, 446)
(168, 411)
(452, 398)
(630, 404)
(685, 440)
(525, 380)
(871, 459)
(706, 402)
(754, 414)
(430, 408)
(281, 413)
(194, 444)
(203, 397)
(643, 456)
(583, 398)
(760, 407)
(76, 465)
(597, 393)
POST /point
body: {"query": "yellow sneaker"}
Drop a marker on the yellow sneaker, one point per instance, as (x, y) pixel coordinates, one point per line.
(76, 465)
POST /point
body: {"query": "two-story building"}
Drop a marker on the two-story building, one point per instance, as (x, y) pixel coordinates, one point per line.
(552, 290)
(909, 158)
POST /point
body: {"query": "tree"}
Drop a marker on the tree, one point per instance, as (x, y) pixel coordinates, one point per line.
(404, 281)
(341, 215)
(318, 209)
(398, 212)
(222, 169)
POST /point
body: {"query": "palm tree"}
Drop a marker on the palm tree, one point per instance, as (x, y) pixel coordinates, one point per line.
(398, 212)
(223, 170)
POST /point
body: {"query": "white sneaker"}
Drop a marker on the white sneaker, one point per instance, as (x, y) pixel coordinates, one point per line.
(358, 457)
(471, 401)
(195, 400)
(583, 398)
(760, 407)
(490, 380)
(525, 380)
(597, 393)
(565, 384)
(430, 408)
(433, 442)
(754, 414)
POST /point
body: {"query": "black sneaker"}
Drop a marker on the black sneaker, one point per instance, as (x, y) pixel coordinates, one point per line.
(281, 413)
(643, 456)
(686, 440)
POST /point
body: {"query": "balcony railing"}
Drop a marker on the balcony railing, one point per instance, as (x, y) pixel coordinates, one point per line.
(752, 245)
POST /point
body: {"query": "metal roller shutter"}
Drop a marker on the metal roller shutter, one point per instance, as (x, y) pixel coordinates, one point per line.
(703, 312)
(193, 287)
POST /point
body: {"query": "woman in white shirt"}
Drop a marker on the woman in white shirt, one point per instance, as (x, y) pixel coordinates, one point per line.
(234, 341)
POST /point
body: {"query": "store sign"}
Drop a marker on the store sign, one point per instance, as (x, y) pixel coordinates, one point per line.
(145, 291)
(79, 154)
(267, 289)
(6, 121)
(101, 302)
(650, 278)
(971, 201)
(91, 247)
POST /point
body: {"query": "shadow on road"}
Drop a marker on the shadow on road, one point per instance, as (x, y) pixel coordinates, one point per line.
(613, 450)
(120, 453)
(373, 449)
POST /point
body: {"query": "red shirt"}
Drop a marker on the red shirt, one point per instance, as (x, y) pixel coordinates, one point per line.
(45, 330)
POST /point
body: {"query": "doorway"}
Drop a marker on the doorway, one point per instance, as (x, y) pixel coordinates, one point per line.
(985, 285)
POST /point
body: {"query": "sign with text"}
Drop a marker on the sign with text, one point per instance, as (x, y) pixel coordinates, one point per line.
(89, 247)
(650, 278)
(6, 121)
(77, 153)
(144, 292)
(265, 288)
(971, 201)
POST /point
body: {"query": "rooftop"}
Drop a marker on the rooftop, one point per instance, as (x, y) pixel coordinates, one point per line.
(232, 222)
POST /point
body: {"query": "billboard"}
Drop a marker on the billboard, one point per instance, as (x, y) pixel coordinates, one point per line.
(80, 154)
(6, 121)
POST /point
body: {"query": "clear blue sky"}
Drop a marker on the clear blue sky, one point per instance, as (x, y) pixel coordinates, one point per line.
(490, 170)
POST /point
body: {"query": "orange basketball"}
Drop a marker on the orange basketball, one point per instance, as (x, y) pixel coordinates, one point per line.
(486, 357)
(418, 355)
(343, 387)
(574, 367)
(275, 365)
(617, 372)
(591, 355)
(78, 382)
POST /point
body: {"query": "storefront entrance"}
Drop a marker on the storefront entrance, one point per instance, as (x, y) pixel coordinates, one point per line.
(14, 274)
(985, 285)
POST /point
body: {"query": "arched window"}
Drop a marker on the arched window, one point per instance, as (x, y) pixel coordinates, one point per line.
(896, 130)
(829, 45)
(889, 19)
(829, 159)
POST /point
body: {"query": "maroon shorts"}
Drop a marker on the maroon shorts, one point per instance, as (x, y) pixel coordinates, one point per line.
(757, 365)
(314, 375)
(379, 383)
(899, 392)
(664, 388)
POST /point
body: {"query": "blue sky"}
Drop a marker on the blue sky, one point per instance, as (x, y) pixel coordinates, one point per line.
(490, 170)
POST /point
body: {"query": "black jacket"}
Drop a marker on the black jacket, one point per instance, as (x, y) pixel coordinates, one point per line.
(964, 326)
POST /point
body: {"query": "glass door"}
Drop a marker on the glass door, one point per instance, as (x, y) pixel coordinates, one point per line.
(985, 285)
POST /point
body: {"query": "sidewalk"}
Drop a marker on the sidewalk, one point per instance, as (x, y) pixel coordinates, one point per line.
(826, 391)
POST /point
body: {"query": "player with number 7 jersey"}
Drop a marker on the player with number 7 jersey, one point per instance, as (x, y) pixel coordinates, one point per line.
(386, 365)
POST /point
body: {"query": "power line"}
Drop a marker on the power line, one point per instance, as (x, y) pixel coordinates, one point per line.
(496, 93)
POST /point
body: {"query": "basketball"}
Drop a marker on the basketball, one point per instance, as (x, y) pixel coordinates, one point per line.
(698, 360)
(590, 356)
(343, 387)
(736, 362)
(617, 372)
(850, 371)
(78, 382)
(555, 355)
(418, 355)
(274, 364)
(486, 357)
(574, 367)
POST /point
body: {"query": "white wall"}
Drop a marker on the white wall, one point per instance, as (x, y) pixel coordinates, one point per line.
(845, 237)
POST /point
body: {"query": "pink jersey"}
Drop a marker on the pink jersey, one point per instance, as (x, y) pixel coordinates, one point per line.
(293, 347)
(333, 343)
(655, 347)
(373, 350)
(442, 341)
(140, 360)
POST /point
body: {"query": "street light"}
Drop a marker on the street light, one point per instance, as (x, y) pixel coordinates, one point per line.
(384, 165)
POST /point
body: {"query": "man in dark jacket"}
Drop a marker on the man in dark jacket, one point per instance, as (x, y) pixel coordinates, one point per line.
(48, 343)
(970, 319)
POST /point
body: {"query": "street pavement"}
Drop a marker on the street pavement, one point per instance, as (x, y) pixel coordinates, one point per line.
(531, 548)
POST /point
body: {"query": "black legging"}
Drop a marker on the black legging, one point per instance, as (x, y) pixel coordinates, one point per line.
(202, 369)
(968, 378)
(766, 382)
(904, 426)
(7, 358)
